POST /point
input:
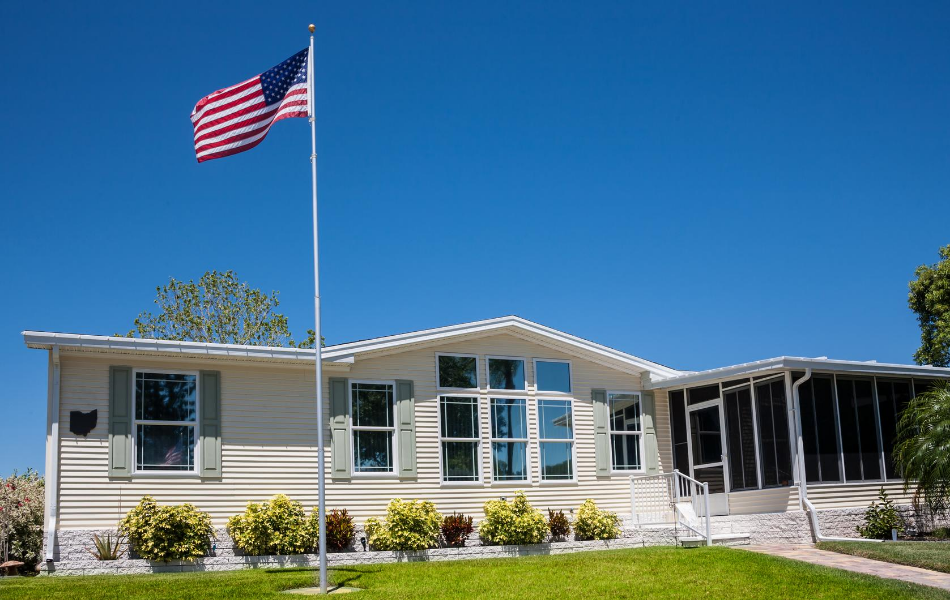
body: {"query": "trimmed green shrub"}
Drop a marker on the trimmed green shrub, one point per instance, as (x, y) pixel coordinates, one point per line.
(276, 526)
(595, 524)
(879, 519)
(516, 522)
(456, 528)
(558, 524)
(340, 529)
(409, 525)
(167, 533)
(21, 517)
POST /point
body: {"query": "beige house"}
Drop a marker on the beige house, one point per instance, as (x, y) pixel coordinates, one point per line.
(459, 415)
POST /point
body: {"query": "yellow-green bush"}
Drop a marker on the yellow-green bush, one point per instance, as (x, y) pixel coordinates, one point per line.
(277, 526)
(167, 533)
(595, 524)
(514, 522)
(409, 525)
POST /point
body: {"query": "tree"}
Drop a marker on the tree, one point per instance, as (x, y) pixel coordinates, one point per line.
(923, 446)
(930, 298)
(219, 308)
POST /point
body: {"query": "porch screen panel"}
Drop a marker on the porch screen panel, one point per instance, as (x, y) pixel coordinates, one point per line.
(819, 430)
(850, 440)
(702, 394)
(773, 433)
(740, 438)
(870, 450)
(892, 397)
(678, 427)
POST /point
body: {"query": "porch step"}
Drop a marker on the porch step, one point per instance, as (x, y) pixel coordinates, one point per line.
(722, 539)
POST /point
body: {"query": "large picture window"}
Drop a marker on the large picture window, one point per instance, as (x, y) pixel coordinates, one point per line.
(374, 426)
(506, 373)
(459, 438)
(509, 439)
(458, 371)
(166, 421)
(625, 430)
(556, 439)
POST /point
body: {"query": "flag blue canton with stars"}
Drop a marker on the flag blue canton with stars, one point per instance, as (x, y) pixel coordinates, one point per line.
(276, 81)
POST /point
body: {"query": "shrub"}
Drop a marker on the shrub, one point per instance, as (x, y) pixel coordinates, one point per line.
(455, 528)
(941, 533)
(879, 519)
(595, 524)
(339, 529)
(512, 523)
(276, 526)
(409, 525)
(167, 533)
(21, 517)
(558, 524)
(105, 548)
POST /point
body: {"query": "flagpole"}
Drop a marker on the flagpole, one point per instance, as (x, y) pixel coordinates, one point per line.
(321, 482)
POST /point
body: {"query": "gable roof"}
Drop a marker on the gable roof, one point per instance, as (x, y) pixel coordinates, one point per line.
(350, 351)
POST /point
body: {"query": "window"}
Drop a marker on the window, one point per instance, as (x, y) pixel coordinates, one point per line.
(773, 433)
(819, 429)
(374, 417)
(459, 433)
(556, 439)
(166, 421)
(702, 394)
(509, 439)
(553, 375)
(457, 371)
(625, 430)
(506, 373)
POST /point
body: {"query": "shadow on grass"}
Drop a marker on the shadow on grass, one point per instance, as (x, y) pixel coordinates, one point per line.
(350, 578)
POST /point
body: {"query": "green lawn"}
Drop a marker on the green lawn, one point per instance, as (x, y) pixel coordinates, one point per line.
(649, 572)
(927, 555)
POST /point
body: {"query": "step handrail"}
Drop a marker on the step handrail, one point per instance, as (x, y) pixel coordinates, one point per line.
(679, 484)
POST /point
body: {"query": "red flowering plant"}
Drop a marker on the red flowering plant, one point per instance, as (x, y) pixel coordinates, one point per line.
(21, 518)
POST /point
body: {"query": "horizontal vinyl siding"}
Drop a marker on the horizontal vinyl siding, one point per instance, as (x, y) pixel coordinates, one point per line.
(856, 495)
(763, 501)
(269, 431)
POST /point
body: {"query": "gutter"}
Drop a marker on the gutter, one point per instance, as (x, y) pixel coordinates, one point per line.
(803, 479)
(52, 457)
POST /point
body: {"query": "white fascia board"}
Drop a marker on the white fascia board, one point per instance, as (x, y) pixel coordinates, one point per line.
(788, 363)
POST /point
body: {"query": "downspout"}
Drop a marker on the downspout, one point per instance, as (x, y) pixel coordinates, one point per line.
(52, 456)
(803, 479)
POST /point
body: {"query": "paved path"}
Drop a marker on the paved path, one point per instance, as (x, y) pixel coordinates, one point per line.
(813, 555)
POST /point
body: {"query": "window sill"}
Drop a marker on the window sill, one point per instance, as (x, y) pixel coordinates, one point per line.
(166, 474)
(375, 476)
(554, 482)
(462, 484)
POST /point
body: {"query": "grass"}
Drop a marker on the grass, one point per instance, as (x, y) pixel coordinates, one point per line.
(648, 572)
(926, 555)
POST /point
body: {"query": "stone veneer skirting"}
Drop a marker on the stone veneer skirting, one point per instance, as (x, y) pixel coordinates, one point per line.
(786, 528)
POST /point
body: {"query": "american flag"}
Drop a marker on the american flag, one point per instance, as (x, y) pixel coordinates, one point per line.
(238, 118)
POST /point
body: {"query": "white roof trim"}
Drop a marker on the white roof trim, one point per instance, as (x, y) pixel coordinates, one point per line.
(799, 363)
(341, 353)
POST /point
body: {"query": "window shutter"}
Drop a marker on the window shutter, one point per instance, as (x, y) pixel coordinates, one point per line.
(601, 431)
(120, 421)
(406, 426)
(339, 428)
(209, 426)
(648, 410)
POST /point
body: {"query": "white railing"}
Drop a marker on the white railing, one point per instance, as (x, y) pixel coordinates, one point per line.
(671, 498)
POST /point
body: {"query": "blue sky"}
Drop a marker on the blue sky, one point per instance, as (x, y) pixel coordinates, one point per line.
(696, 184)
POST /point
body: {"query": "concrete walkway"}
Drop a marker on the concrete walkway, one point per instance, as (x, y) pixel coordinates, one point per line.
(857, 564)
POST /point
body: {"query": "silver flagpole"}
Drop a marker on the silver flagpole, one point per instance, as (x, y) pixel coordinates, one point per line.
(321, 483)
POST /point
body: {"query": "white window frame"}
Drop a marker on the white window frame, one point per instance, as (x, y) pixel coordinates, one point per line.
(196, 424)
(459, 354)
(526, 440)
(570, 377)
(516, 392)
(572, 441)
(612, 433)
(354, 428)
(477, 439)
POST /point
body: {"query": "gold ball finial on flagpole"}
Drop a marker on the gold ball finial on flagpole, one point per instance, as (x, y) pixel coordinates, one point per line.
(312, 27)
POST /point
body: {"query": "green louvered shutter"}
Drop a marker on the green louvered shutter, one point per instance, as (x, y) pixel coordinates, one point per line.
(209, 427)
(601, 431)
(406, 426)
(339, 428)
(120, 421)
(648, 407)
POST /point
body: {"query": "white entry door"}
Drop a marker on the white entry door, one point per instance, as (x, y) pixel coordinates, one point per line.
(707, 454)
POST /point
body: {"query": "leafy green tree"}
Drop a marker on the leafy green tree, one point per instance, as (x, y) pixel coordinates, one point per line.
(218, 308)
(923, 446)
(930, 298)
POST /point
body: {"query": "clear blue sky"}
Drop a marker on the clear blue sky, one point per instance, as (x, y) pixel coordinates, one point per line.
(696, 184)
